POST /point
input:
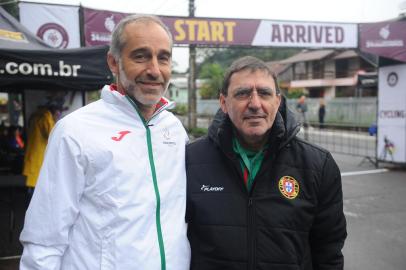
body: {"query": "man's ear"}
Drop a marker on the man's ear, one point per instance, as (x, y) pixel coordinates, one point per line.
(222, 101)
(113, 64)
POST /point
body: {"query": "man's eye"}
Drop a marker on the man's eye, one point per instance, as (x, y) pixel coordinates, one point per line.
(164, 59)
(140, 57)
(242, 94)
(264, 93)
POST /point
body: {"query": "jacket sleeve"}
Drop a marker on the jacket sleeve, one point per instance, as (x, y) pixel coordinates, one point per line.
(328, 232)
(45, 124)
(55, 204)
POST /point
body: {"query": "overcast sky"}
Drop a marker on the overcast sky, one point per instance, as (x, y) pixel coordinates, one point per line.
(355, 11)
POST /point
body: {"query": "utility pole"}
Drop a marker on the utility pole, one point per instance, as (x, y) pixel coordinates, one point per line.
(192, 76)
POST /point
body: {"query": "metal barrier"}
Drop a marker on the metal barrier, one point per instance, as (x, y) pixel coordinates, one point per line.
(345, 140)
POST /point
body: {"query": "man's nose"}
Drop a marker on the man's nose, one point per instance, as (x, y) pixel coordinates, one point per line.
(254, 101)
(153, 68)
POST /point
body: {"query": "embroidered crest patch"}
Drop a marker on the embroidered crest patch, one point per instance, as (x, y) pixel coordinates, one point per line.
(289, 187)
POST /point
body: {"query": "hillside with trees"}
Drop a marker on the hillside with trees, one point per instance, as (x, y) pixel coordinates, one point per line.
(213, 63)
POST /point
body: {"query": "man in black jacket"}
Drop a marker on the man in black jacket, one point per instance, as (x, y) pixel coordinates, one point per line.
(259, 197)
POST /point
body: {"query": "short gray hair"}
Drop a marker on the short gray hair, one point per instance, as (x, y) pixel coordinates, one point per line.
(246, 63)
(117, 39)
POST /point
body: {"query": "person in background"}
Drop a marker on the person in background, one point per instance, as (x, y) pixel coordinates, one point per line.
(40, 125)
(301, 108)
(259, 197)
(322, 112)
(15, 149)
(112, 189)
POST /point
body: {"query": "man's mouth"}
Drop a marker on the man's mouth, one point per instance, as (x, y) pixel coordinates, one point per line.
(254, 117)
(150, 83)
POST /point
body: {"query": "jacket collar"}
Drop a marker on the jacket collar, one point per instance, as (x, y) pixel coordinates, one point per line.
(111, 94)
(284, 129)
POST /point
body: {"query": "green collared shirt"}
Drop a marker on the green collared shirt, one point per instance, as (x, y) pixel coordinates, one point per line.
(250, 162)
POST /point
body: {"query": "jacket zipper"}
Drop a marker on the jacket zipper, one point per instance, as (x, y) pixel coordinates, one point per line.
(251, 234)
(158, 200)
(251, 242)
(251, 221)
(156, 188)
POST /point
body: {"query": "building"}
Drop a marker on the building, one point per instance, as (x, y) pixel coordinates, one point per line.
(178, 88)
(326, 73)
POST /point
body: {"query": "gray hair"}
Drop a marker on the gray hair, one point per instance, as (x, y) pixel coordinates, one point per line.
(247, 63)
(117, 38)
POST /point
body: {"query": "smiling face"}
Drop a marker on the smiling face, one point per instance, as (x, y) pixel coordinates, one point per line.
(251, 104)
(144, 68)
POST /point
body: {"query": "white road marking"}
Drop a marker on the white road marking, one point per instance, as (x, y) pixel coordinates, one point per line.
(351, 214)
(364, 172)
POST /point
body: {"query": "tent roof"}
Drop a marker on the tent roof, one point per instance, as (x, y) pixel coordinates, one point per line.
(14, 35)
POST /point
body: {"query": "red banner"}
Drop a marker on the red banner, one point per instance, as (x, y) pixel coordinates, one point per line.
(387, 39)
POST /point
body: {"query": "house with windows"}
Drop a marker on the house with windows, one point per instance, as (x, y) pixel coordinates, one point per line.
(178, 88)
(327, 73)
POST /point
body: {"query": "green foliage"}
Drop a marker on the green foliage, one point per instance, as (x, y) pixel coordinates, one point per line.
(11, 7)
(225, 56)
(180, 109)
(93, 96)
(197, 132)
(212, 73)
(206, 92)
(295, 93)
(214, 62)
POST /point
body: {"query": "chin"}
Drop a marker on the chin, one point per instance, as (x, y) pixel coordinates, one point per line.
(256, 131)
(148, 100)
(254, 135)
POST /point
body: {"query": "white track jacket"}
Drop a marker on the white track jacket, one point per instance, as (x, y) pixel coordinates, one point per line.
(111, 192)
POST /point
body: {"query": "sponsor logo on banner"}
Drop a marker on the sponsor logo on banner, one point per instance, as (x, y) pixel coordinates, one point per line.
(385, 39)
(392, 79)
(56, 25)
(104, 36)
(54, 35)
(109, 23)
(384, 33)
(289, 187)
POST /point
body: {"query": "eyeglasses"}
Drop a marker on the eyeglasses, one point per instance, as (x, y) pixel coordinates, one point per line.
(245, 94)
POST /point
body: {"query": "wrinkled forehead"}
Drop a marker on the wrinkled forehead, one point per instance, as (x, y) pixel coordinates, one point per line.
(146, 31)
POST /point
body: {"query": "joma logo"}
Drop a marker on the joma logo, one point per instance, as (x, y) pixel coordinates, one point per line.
(209, 188)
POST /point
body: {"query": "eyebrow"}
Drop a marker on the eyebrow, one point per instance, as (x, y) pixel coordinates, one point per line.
(250, 88)
(165, 52)
(147, 50)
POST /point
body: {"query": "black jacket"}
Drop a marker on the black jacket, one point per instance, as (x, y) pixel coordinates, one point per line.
(230, 228)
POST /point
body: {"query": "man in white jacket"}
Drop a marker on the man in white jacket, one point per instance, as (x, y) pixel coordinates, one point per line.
(111, 191)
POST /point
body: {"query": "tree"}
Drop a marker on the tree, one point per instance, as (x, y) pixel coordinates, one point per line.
(212, 74)
(10, 6)
(225, 56)
(214, 62)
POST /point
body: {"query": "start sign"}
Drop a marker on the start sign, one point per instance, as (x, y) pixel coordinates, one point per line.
(204, 30)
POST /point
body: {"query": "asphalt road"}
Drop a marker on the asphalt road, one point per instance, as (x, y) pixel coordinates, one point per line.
(375, 208)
